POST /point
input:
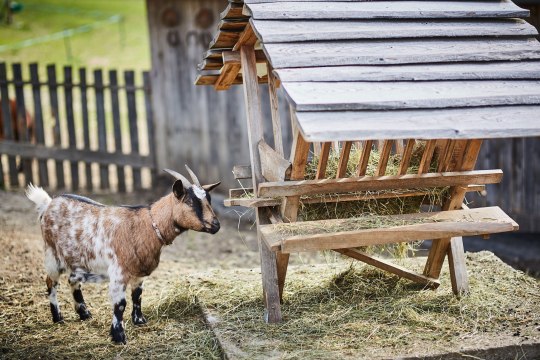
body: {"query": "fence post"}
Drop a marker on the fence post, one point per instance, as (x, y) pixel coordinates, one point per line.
(38, 121)
(102, 130)
(8, 130)
(150, 124)
(129, 80)
(53, 96)
(113, 82)
(25, 164)
(72, 136)
(86, 126)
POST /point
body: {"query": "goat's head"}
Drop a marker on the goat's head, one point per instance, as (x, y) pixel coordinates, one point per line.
(192, 204)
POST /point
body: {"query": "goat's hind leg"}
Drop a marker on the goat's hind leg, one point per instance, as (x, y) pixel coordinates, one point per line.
(136, 315)
(52, 287)
(75, 281)
(118, 298)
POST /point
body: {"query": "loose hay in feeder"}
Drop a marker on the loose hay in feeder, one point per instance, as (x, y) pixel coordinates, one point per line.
(350, 310)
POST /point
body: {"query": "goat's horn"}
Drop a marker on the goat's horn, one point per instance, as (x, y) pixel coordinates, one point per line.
(178, 176)
(193, 176)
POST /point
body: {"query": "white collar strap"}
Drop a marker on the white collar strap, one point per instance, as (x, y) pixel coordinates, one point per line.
(156, 229)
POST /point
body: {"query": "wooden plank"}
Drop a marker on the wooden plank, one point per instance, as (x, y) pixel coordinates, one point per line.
(343, 159)
(237, 198)
(23, 131)
(212, 79)
(389, 52)
(282, 259)
(129, 80)
(72, 137)
(55, 110)
(39, 151)
(233, 57)
(481, 122)
(391, 268)
(150, 131)
(224, 39)
(247, 38)
(384, 154)
(406, 157)
(101, 128)
(9, 132)
(43, 172)
(427, 157)
(509, 70)
(274, 167)
(366, 183)
(367, 146)
(445, 157)
(457, 265)
(113, 82)
(232, 24)
(210, 64)
(273, 84)
(233, 11)
(279, 31)
(85, 125)
(436, 225)
(323, 96)
(242, 172)
(323, 160)
(385, 10)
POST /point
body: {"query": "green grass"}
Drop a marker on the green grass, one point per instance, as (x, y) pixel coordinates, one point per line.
(121, 46)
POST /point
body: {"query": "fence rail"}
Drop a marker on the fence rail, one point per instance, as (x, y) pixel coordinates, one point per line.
(76, 133)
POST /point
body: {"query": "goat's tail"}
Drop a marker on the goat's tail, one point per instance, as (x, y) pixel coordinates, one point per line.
(39, 197)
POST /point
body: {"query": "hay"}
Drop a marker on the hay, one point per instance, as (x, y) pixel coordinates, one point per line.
(350, 310)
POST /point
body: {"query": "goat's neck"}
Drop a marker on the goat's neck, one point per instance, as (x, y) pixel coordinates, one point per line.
(161, 214)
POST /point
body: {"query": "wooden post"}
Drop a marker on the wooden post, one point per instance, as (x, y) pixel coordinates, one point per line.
(8, 131)
(38, 121)
(113, 82)
(150, 124)
(274, 107)
(129, 78)
(102, 130)
(53, 97)
(72, 137)
(458, 269)
(255, 134)
(86, 126)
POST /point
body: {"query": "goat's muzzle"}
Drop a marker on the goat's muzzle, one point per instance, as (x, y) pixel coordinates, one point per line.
(213, 227)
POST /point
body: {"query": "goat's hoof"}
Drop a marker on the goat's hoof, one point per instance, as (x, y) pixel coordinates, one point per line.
(58, 319)
(138, 320)
(118, 336)
(85, 315)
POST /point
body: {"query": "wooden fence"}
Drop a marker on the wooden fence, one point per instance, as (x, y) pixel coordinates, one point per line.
(73, 133)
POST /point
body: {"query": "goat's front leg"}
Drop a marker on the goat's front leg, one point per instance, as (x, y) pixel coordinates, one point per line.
(80, 305)
(52, 285)
(136, 315)
(118, 298)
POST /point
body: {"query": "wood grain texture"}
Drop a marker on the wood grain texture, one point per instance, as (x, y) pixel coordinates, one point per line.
(385, 9)
(388, 52)
(457, 266)
(482, 122)
(279, 31)
(274, 166)
(273, 84)
(524, 70)
(384, 154)
(367, 146)
(434, 226)
(322, 96)
(323, 160)
(367, 183)
(406, 157)
(343, 159)
(391, 268)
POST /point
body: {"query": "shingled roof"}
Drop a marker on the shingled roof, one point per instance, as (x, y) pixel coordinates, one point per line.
(355, 70)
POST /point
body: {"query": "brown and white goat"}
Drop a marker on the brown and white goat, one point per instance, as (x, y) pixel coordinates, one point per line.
(93, 242)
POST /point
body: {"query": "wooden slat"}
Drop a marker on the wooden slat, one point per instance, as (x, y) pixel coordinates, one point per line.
(238, 199)
(427, 156)
(212, 79)
(343, 159)
(323, 160)
(274, 166)
(150, 125)
(510, 70)
(388, 52)
(210, 64)
(392, 268)
(129, 80)
(9, 132)
(445, 156)
(434, 226)
(57, 136)
(26, 164)
(225, 39)
(386, 10)
(85, 125)
(227, 76)
(38, 122)
(384, 154)
(273, 84)
(320, 96)
(486, 122)
(72, 137)
(232, 25)
(366, 183)
(278, 31)
(39, 151)
(233, 11)
(101, 128)
(113, 81)
(364, 158)
(456, 264)
(406, 157)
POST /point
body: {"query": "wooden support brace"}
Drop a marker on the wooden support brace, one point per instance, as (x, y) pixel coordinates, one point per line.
(458, 269)
(273, 84)
(406, 157)
(323, 160)
(384, 154)
(344, 159)
(364, 158)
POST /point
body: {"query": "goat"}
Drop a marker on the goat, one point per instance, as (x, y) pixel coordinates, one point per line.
(94, 242)
(16, 127)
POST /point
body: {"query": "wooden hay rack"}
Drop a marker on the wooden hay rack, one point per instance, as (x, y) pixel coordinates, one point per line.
(379, 74)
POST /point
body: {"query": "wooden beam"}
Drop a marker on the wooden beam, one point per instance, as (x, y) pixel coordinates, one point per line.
(364, 158)
(367, 183)
(406, 157)
(427, 156)
(458, 269)
(274, 166)
(233, 57)
(212, 79)
(323, 160)
(384, 155)
(344, 159)
(273, 84)
(391, 268)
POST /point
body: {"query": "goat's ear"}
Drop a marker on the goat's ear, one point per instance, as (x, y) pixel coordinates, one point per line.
(178, 189)
(211, 187)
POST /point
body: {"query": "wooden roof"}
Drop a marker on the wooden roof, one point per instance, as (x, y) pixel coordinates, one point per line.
(355, 70)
